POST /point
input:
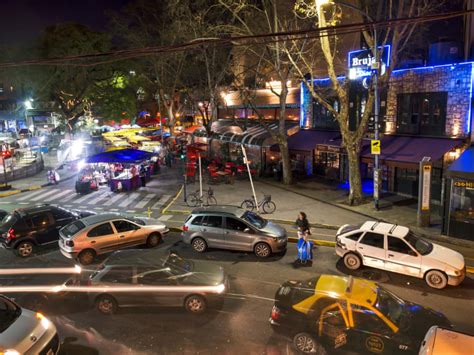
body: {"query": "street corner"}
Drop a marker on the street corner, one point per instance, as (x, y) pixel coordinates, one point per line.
(9, 193)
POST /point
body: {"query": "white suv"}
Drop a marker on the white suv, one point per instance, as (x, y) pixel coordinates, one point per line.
(395, 248)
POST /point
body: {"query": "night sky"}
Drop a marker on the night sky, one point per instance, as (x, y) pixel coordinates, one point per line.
(23, 20)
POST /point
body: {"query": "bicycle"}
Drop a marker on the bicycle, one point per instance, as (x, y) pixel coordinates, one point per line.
(266, 204)
(194, 199)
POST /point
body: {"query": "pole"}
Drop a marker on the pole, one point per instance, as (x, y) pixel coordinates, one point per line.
(200, 177)
(4, 172)
(376, 121)
(246, 161)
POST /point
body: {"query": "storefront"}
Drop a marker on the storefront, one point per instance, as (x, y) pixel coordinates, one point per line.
(458, 216)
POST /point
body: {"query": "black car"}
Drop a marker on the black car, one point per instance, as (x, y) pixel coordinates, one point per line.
(3, 213)
(25, 229)
(328, 312)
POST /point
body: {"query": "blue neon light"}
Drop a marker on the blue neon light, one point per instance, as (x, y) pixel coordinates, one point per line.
(469, 114)
(302, 106)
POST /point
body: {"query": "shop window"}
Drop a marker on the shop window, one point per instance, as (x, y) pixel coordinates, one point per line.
(322, 117)
(462, 207)
(422, 113)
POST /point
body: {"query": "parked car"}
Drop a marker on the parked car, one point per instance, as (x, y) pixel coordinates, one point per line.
(3, 213)
(25, 332)
(441, 341)
(25, 229)
(104, 233)
(228, 227)
(395, 248)
(173, 281)
(331, 312)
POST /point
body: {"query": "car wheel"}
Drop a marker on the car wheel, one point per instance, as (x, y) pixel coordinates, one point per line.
(106, 304)
(436, 279)
(25, 249)
(262, 250)
(247, 205)
(306, 344)
(153, 240)
(199, 245)
(195, 304)
(352, 261)
(86, 257)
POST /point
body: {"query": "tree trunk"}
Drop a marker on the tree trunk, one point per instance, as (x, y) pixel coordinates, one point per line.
(355, 185)
(286, 163)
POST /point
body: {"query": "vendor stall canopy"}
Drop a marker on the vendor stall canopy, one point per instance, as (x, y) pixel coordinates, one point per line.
(123, 156)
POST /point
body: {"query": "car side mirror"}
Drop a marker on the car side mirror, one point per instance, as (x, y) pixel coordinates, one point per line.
(248, 230)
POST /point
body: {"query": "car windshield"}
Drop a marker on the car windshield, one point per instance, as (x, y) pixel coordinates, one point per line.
(9, 312)
(72, 228)
(254, 219)
(177, 264)
(421, 246)
(390, 305)
(137, 220)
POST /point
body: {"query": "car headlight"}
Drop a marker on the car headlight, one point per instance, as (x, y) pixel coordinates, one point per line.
(457, 272)
(10, 352)
(44, 321)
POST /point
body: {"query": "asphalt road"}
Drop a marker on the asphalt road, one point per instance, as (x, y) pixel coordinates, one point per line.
(240, 326)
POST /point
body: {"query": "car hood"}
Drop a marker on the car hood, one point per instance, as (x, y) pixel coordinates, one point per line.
(20, 334)
(274, 229)
(447, 256)
(204, 273)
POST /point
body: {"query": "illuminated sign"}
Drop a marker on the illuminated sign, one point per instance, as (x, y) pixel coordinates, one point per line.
(362, 61)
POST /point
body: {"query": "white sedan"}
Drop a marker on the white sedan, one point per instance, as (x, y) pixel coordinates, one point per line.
(395, 248)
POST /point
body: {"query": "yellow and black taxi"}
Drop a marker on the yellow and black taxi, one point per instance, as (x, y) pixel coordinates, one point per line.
(330, 312)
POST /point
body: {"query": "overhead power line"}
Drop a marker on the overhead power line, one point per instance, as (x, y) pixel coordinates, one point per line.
(265, 38)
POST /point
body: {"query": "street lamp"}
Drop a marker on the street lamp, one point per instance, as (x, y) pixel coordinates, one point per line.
(375, 67)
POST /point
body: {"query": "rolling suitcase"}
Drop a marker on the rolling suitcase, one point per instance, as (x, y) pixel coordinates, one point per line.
(305, 250)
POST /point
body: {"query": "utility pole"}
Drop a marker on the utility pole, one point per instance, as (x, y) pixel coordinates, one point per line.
(375, 67)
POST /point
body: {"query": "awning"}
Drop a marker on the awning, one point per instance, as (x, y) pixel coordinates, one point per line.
(463, 167)
(190, 130)
(411, 150)
(307, 140)
(123, 156)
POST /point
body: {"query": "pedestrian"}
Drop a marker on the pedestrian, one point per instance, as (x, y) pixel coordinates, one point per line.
(302, 225)
(143, 175)
(304, 246)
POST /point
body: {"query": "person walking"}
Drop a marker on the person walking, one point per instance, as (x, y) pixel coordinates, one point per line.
(304, 246)
(143, 175)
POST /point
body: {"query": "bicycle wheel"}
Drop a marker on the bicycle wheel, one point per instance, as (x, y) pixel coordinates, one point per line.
(211, 200)
(269, 207)
(247, 205)
(192, 200)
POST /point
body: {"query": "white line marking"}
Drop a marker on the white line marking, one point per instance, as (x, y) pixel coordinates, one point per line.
(24, 203)
(160, 202)
(61, 193)
(130, 211)
(165, 217)
(83, 198)
(43, 195)
(103, 195)
(69, 197)
(114, 209)
(133, 196)
(28, 195)
(112, 200)
(145, 201)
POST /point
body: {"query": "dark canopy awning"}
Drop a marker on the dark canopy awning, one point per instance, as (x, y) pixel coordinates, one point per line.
(463, 167)
(307, 140)
(411, 150)
(123, 156)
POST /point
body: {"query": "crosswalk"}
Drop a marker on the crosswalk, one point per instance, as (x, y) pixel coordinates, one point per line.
(101, 200)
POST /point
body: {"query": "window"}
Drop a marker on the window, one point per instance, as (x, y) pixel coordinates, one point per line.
(40, 220)
(73, 228)
(124, 226)
(235, 224)
(213, 221)
(119, 275)
(399, 246)
(367, 320)
(61, 214)
(354, 237)
(373, 239)
(154, 277)
(101, 230)
(197, 221)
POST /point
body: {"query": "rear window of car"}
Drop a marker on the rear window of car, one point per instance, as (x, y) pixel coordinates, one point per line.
(197, 221)
(72, 228)
(355, 237)
(9, 220)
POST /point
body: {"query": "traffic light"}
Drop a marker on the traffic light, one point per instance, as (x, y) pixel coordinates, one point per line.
(183, 152)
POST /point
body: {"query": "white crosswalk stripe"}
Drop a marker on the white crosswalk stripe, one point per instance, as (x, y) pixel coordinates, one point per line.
(160, 202)
(101, 196)
(69, 197)
(144, 201)
(43, 195)
(83, 198)
(129, 200)
(61, 193)
(112, 200)
(28, 195)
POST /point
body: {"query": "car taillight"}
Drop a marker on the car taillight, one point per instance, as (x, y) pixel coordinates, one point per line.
(275, 313)
(185, 228)
(69, 243)
(11, 234)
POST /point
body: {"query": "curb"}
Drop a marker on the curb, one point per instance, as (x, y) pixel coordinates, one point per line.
(32, 188)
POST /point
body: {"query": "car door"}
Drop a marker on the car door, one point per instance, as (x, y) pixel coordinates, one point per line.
(128, 233)
(372, 249)
(102, 238)
(402, 258)
(43, 228)
(212, 229)
(164, 282)
(238, 235)
(333, 326)
(120, 276)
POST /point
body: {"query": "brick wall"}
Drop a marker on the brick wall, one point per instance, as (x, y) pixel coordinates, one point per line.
(456, 80)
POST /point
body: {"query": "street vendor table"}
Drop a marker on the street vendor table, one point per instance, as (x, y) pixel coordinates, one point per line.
(127, 184)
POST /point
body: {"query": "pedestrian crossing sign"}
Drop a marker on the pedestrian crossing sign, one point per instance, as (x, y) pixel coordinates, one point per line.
(375, 146)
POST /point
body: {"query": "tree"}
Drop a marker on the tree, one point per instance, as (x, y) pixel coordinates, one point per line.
(397, 36)
(267, 59)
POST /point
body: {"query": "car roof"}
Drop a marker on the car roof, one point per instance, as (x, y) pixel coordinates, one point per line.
(385, 228)
(34, 209)
(137, 257)
(233, 210)
(340, 287)
(100, 218)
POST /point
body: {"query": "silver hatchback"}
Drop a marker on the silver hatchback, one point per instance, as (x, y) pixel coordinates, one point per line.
(228, 227)
(104, 233)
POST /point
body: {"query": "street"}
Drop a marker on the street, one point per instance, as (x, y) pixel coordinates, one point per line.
(242, 322)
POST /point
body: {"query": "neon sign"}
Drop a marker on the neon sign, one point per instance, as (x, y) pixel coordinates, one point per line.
(360, 62)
